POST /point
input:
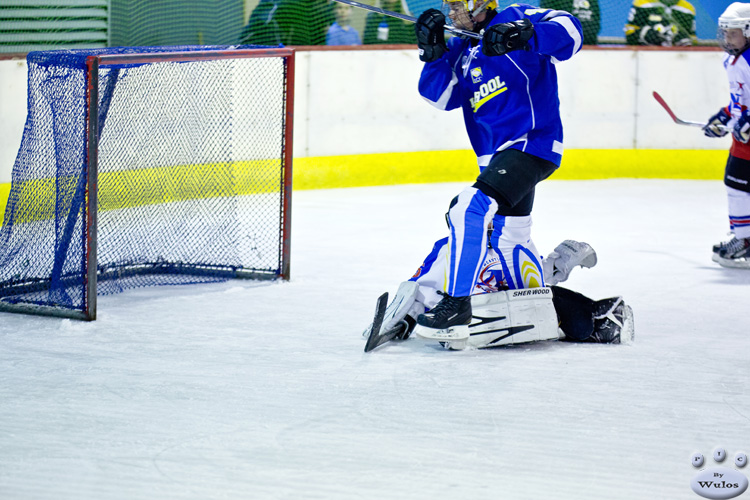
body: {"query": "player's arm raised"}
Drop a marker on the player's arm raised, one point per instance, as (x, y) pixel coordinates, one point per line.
(437, 83)
(550, 32)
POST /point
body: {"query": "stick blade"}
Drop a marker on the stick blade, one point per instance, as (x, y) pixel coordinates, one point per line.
(377, 323)
(664, 105)
(678, 121)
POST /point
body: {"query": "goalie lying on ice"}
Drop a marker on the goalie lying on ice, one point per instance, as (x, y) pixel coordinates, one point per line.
(502, 316)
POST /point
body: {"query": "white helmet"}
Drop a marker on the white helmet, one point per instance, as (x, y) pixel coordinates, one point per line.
(737, 16)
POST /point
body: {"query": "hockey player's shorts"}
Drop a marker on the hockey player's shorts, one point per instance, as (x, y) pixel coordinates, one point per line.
(510, 179)
(737, 174)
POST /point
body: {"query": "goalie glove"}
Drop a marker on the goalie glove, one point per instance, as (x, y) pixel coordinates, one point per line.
(741, 130)
(430, 35)
(567, 255)
(716, 126)
(499, 39)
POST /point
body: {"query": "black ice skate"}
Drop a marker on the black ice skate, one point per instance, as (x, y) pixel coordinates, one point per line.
(727, 249)
(613, 322)
(735, 249)
(734, 253)
(450, 311)
(719, 247)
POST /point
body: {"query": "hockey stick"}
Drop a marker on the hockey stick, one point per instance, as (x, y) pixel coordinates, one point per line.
(455, 31)
(678, 121)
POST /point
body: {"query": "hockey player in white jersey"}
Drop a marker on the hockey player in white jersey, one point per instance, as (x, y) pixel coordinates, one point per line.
(734, 37)
(506, 86)
(501, 316)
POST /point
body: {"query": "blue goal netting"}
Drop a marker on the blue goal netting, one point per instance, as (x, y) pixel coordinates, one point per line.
(190, 183)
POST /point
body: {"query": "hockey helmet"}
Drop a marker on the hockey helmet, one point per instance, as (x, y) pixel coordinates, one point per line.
(475, 6)
(466, 9)
(736, 16)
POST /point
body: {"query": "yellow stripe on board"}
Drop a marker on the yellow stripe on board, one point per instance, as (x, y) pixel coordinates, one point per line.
(698, 164)
(326, 172)
(129, 188)
(4, 192)
(461, 166)
(150, 186)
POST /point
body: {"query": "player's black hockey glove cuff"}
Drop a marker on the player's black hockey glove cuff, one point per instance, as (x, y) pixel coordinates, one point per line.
(741, 130)
(499, 39)
(430, 35)
(716, 126)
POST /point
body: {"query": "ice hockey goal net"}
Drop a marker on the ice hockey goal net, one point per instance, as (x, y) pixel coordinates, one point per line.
(148, 166)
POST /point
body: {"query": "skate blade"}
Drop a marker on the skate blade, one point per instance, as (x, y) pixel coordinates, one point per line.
(742, 263)
(456, 345)
(377, 323)
(453, 333)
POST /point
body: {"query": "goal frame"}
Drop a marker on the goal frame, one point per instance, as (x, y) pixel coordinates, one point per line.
(91, 148)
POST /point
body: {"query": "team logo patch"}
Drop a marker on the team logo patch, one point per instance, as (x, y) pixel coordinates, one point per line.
(476, 75)
(491, 277)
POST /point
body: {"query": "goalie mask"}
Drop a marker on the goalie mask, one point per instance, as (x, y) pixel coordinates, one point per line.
(462, 13)
(734, 28)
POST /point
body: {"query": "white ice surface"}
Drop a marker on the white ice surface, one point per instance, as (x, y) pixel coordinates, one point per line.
(261, 391)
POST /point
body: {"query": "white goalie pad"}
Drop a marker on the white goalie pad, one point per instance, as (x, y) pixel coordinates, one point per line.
(502, 318)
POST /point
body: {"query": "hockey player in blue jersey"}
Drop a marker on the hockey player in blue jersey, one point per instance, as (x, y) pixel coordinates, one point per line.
(506, 86)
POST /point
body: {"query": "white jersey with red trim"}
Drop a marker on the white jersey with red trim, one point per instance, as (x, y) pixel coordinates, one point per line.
(738, 71)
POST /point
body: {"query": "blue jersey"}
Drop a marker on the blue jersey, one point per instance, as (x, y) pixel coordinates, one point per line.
(508, 101)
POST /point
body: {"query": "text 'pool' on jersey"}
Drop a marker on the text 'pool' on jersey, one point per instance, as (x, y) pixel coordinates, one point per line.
(487, 91)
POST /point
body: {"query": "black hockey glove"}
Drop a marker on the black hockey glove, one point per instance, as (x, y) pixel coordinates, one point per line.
(499, 39)
(430, 35)
(741, 130)
(716, 126)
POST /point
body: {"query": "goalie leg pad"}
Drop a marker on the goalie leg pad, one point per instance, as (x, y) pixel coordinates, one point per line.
(505, 318)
